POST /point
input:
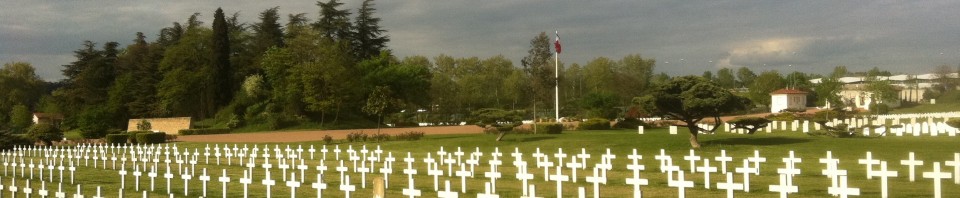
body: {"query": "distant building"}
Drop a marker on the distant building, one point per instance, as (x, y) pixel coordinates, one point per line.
(787, 99)
(912, 87)
(48, 118)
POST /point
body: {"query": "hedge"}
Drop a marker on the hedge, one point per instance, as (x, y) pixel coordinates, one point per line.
(117, 138)
(204, 131)
(151, 138)
(595, 124)
(132, 136)
(550, 128)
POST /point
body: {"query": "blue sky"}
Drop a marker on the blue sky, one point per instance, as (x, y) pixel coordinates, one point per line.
(685, 37)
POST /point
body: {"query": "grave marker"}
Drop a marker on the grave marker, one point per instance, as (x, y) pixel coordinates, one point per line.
(729, 185)
(883, 173)
(706, 169)
(680, 184)
(912, 163)
(937, 176)
(843, 190)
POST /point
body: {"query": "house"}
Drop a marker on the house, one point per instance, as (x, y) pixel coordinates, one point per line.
(787, 99)
(48, 118)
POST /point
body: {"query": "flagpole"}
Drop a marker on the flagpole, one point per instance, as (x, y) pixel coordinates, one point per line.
(556, 80)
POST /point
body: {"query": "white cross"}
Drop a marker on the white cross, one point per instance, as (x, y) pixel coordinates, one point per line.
(843, 190)
(936, 175)
(186, 176)
(706, 169)
(293, 184)
(523, 176)
(636, 181)
(223, 181)
(834, 174)
(784, 188)
(680, 184)
(346, 187)
(869, 162)
(463, 174)
(663, 157)
(883, 173)
(746, 171)
(319, 185)
(723, 159)
(756, 159)
(559, 178)
(487, 193)
(956, 167)
(246, 180)
(387, 169)
(692, 158)
(268, 182)
(829, 160)
(583, 158)
(493, 174)
(574, 165)
(912, 163)
(730, 186)
(433, 169)
(447, 193)
(204, 178)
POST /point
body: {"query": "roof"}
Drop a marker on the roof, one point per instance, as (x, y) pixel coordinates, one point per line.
(787, 91)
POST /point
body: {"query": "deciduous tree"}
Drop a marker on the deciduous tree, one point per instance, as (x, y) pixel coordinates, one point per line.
(691, 99)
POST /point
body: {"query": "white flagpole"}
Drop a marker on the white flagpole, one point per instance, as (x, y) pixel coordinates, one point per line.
(556, 80)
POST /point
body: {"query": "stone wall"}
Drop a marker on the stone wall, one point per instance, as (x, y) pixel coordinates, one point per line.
(166, 125)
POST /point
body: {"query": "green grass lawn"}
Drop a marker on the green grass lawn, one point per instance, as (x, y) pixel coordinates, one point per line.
(773, 146)
(949, 101)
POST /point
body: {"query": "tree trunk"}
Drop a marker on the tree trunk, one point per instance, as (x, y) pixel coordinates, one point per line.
(500, 136)
(694, 130)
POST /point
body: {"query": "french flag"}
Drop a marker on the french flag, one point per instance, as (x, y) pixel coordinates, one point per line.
(556, 44)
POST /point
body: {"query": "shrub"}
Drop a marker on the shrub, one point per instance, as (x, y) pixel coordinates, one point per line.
(94, 123)
(171, 137)
(327, 139)
(410, 136)
(151, 138)
(117, 138)
(785, 116)
(234, 121)
(550, 128)
(45, 133)
(879, 108)
(358, 136)
(954, 122)
(629, 123)
(132, 136)
(595, 124)
(8, 140)
(380, 137)
(144, 125)
(204, 131)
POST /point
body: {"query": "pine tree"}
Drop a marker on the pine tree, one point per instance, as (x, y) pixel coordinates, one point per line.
(224, 83)
(369, 39)
(334, 23)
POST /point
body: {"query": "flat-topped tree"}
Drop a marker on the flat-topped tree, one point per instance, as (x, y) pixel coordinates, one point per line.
(954, 122)
(501, 119)
(751, 124)
(691, 99)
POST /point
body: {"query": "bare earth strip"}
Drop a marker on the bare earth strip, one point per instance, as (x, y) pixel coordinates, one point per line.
(317, 135)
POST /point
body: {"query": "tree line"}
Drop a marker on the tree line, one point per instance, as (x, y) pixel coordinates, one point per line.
(334, 71)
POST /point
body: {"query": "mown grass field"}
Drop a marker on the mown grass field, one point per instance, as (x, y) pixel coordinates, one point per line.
(773, 146)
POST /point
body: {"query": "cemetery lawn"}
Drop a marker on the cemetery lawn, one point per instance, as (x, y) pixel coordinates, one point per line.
(948, 102)
(772, 146)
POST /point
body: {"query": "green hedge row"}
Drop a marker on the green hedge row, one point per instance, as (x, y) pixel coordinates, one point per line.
(204, 131)
(151, 138)
(117, 138)
(550, 128)
(595, 124)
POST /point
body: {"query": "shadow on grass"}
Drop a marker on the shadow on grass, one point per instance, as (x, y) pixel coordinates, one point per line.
(765, 141)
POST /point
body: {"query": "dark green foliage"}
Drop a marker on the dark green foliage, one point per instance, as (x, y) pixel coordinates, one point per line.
(406, 124)
(117, 138)
(838, 131)
(358, 136)
(45, 133)
(224, 84)
(151, 138)
(334, 23)
(380, 137)
(786, 116)
(549, 128)
(20, 119)
(504, 121)
(95, 123)
(629, 123)
(144, 125)
(132, 136)
(409, 136)
(690, 99)
(19, 84)
(208, 131)
(8, 140)
(369, 39)
(594, 124)
(878, 109)
(601, 105)
(751, 124)
(954, 122)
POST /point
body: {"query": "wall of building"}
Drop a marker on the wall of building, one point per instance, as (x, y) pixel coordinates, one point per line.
(166, 125)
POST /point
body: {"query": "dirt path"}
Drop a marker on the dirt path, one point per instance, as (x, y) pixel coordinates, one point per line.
(317, 135)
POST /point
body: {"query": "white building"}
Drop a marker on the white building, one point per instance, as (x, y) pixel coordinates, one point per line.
(787, 99)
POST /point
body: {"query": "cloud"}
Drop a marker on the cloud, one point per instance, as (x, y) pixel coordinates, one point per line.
(791, 51)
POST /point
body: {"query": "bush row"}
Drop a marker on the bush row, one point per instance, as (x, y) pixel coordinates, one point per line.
(204, 131)
(550, 128)
(595, 124)
(137, 137)
(362, 137)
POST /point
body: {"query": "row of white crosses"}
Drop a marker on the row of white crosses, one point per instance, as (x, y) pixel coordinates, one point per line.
(544, 161)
